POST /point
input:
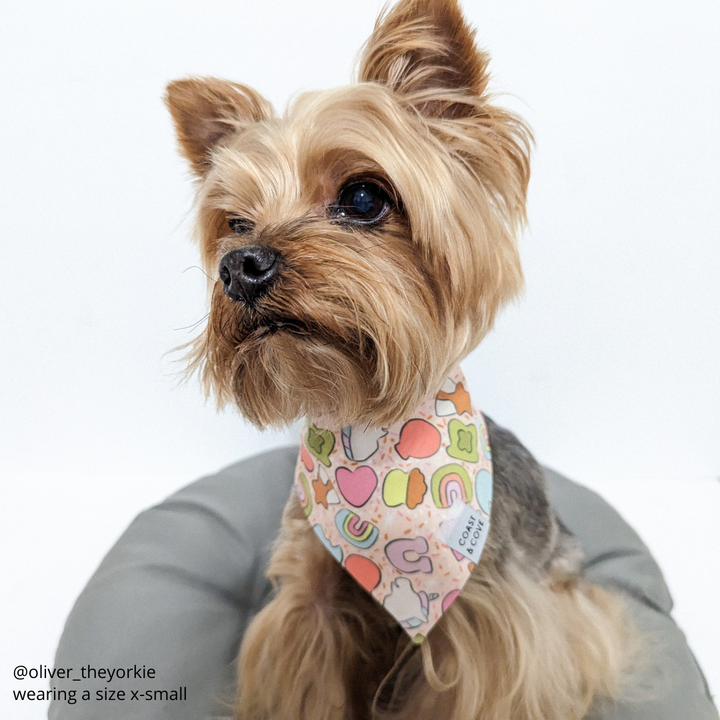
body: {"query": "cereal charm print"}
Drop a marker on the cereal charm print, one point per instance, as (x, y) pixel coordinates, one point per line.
(404, 509)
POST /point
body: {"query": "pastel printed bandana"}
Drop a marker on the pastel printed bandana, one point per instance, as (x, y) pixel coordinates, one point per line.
(404, 509)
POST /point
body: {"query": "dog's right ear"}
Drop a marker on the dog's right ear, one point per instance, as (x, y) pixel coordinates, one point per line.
(425, 52)
(206, 111)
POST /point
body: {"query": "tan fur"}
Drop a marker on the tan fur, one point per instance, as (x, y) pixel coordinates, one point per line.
(361, 325)
(452, 258)
(508, 647)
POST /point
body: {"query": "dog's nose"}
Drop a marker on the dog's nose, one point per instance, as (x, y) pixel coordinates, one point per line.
(247, 272)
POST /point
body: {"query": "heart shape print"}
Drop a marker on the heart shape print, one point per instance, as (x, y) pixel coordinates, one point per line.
(356, 486)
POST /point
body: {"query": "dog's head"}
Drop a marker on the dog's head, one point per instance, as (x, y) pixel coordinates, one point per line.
(362, 243)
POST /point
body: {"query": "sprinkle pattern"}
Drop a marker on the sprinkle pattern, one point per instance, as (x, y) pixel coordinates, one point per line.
(377, 497)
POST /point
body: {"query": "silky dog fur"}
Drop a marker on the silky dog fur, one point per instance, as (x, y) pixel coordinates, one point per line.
(362, 322)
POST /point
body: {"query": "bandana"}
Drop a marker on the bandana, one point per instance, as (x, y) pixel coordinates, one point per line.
(405, 509)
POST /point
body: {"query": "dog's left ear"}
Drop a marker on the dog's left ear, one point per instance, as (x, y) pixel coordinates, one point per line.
(425, 52)
(208, 111)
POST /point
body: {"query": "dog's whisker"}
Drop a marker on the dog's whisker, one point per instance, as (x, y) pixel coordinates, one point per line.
(194, 325)
(374, 246)
(197, 267)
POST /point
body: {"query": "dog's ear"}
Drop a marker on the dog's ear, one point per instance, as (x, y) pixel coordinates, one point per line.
(206, 111)
(425, 52)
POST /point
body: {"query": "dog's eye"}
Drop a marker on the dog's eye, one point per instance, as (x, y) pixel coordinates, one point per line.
(241, 226)
(361, 202)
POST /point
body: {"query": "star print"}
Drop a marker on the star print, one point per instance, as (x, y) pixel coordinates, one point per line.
(321, 491)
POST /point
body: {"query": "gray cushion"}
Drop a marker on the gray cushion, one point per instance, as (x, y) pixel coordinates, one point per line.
(177, 590)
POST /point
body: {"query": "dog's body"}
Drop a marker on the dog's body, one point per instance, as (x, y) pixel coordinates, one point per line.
(366, 241)
(526, 639)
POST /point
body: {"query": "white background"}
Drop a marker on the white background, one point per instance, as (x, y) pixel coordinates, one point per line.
(607, 368)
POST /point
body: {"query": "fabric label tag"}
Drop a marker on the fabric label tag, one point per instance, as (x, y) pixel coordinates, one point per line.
(465, 531)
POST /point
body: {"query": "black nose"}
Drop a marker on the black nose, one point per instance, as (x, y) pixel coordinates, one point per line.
(247, 272)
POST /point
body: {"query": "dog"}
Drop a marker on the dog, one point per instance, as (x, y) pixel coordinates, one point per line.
(360, 247)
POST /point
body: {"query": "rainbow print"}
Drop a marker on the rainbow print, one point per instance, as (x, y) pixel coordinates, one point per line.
(357, 532)
(450, 483)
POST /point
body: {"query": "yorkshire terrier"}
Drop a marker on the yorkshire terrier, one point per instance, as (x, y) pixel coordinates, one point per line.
(360, 247)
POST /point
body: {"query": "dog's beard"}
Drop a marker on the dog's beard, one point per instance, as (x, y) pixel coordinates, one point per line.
(283, 364)
(349, 332)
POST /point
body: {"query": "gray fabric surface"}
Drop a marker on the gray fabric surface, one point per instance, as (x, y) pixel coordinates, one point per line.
(177, 590)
